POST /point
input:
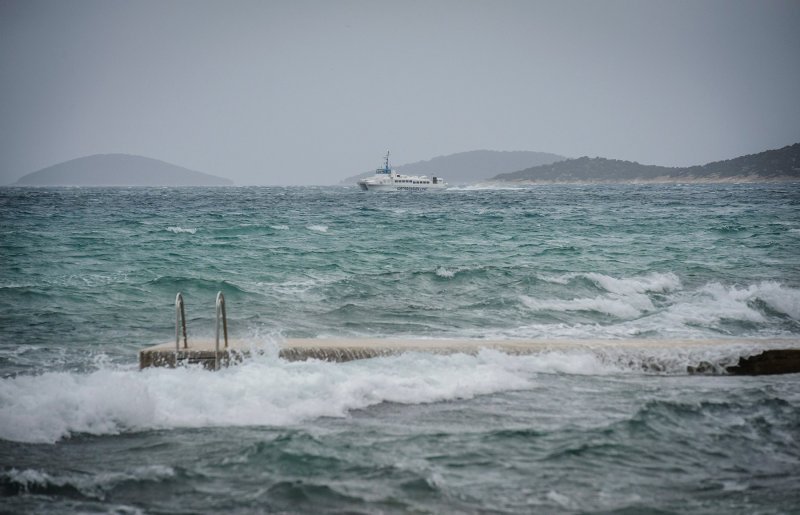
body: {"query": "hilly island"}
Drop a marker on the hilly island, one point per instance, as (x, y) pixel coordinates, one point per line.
(119, 170)
(769, 166)
(477, 166)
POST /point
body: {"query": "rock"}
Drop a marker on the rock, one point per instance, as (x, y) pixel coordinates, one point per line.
(774, 361)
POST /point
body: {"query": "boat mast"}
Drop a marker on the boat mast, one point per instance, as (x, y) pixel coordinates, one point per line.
(386, 163)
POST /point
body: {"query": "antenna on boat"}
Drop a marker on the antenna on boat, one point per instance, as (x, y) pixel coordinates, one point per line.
(386, 164)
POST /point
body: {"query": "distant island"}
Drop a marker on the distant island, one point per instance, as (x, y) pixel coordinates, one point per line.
(119, 170)
(769, 166)
(468, 167)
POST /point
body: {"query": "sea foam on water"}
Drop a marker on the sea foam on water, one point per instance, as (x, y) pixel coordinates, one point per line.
(268, 391)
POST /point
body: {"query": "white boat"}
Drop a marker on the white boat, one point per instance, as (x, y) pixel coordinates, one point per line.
(386, 179)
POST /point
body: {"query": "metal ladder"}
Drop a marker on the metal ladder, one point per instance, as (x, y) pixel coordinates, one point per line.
(180, 323)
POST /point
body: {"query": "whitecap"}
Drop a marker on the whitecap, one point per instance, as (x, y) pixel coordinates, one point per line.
(444, 272)
(317, 228)
(715, 302)
(652, 283)
(487, 187)
(626, 298)
(707, 310)
(179, 230)
(90, 485)
(778, 297)
(615, 307)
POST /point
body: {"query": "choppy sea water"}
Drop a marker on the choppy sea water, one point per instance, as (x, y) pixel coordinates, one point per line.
(88, 277)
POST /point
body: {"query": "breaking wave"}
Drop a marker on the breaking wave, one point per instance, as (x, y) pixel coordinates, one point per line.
(178, 230)
(654, 282)
(659, 303)
(444, 272)
(89, 485)
(268, 391)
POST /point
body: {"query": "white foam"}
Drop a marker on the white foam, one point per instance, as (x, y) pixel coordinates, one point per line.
(781, 299)
(679, 312)
(486, 187)
(444, 272)
(90, 485)
(711, 304)
(92, 280)
(709, 308)
(625, 298)
(267, 391)
(615, 307)
(317, 228)
(715, 303)
(650, 283)
(653, 283)
(299, 285)
(279, 227)
(263, 391)
(179, 230)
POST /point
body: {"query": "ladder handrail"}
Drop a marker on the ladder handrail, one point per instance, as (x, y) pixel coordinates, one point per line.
(180, 321)
(220, 308)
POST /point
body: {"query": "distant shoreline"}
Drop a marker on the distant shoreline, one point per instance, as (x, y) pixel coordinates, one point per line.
(654, 180)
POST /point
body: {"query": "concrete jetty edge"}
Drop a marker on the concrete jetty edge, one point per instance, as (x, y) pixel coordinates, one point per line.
(759, 356)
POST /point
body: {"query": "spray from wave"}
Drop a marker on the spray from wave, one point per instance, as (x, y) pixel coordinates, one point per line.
(268, 391)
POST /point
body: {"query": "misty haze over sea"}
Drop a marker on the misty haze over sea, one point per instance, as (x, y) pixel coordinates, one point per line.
(310, 92)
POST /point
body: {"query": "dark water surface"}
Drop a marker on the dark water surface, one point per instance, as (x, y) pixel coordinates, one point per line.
(88, 277)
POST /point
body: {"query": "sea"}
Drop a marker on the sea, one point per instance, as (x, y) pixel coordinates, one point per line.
(89, 276)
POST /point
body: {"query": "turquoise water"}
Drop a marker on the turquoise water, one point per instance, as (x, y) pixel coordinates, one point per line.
(89, 276)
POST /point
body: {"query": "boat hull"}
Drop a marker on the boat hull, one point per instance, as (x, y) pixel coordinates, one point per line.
(386, 179)
(365, 186)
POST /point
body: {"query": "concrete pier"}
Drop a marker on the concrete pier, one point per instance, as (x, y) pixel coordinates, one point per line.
(779, 356)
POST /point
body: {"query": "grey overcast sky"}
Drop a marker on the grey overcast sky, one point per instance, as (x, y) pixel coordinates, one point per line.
(309, 92)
